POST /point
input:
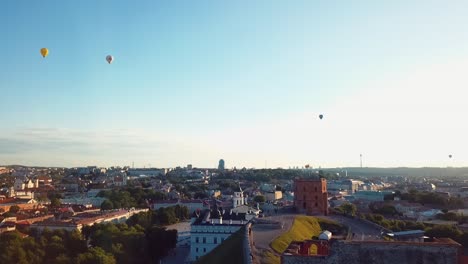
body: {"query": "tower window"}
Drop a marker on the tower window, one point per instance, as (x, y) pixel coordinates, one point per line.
(304, 205)
(315, 188)
(216, 240)
(316, 204)
(204, 240)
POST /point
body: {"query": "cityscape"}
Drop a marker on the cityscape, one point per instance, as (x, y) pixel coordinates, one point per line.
(204, 215)
(233, 132)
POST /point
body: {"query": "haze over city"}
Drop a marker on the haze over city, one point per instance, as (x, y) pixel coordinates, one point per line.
(194, 82)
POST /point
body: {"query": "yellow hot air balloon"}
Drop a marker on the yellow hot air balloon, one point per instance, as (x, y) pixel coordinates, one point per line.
(44, 52)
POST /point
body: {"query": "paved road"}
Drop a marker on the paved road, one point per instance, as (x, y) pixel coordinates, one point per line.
(264, 234)
(361, 229)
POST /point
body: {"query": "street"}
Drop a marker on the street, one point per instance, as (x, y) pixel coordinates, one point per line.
(361, 229)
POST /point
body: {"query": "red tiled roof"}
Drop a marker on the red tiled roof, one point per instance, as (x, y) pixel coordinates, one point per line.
(24, 222)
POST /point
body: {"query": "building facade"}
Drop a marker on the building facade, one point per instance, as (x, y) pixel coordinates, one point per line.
(210, 228)
(310, 196)
(238, 198)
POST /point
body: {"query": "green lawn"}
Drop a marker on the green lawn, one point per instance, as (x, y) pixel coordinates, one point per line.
(304, 227)
(229, 252)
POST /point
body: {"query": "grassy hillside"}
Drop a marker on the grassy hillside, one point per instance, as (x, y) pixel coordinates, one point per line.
(304, 227)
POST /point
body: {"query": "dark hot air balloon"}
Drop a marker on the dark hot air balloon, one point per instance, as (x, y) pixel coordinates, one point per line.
(320, 116)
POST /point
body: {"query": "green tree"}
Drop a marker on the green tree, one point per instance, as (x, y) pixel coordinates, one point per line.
(259, 199)
(160, 241)
(55, 202)
(95, 255)
(14, 209)
(443, 231)
(348, 209)
(107, 205)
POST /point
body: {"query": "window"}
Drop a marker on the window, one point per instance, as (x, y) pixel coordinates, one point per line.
(316, 204)
(215, 240)
(196, 249)
(204, 249)
(304, 189)
(222, 239)
(204, 240)
(304, 205)
(304, 197)
(316, 197)
(197, 240)
(315, 188)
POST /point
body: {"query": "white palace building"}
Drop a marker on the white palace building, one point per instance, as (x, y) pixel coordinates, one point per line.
(210, 227)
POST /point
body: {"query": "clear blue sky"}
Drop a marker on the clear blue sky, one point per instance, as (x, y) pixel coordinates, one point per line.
(196, 81)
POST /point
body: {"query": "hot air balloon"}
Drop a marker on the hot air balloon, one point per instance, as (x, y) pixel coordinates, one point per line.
(320, 116)
(109, 59)
(44, 52)
(450, 156)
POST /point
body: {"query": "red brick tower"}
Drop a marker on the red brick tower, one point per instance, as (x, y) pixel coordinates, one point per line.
(310, 196)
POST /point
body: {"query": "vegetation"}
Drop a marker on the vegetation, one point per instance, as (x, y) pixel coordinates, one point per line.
(449, 231)
(433, 199)
(140, 240)
(386, 209)
(394, 225)
(50, 247)
(162, 216)
(14, 209)
(304, 227)
(229, 252)
(270, 258)
(451, 216)
(132, 244)
(332, 226)
(348, 209)
(130, 197)
(260, 199)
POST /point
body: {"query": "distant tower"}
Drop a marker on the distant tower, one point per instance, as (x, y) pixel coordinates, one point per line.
(221, 165)
(238, 198)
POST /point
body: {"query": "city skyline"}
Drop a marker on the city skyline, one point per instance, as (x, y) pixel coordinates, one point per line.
(192, 83)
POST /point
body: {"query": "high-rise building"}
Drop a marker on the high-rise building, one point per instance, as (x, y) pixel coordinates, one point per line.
(221, 165)
(310, 196)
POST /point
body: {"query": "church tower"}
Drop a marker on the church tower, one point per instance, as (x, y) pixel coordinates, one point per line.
(238, 198)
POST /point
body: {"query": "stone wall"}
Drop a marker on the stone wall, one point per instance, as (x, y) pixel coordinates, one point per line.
(356, 252)
(247, 254)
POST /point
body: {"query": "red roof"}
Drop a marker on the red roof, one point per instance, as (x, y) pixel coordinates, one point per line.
(24, 222)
